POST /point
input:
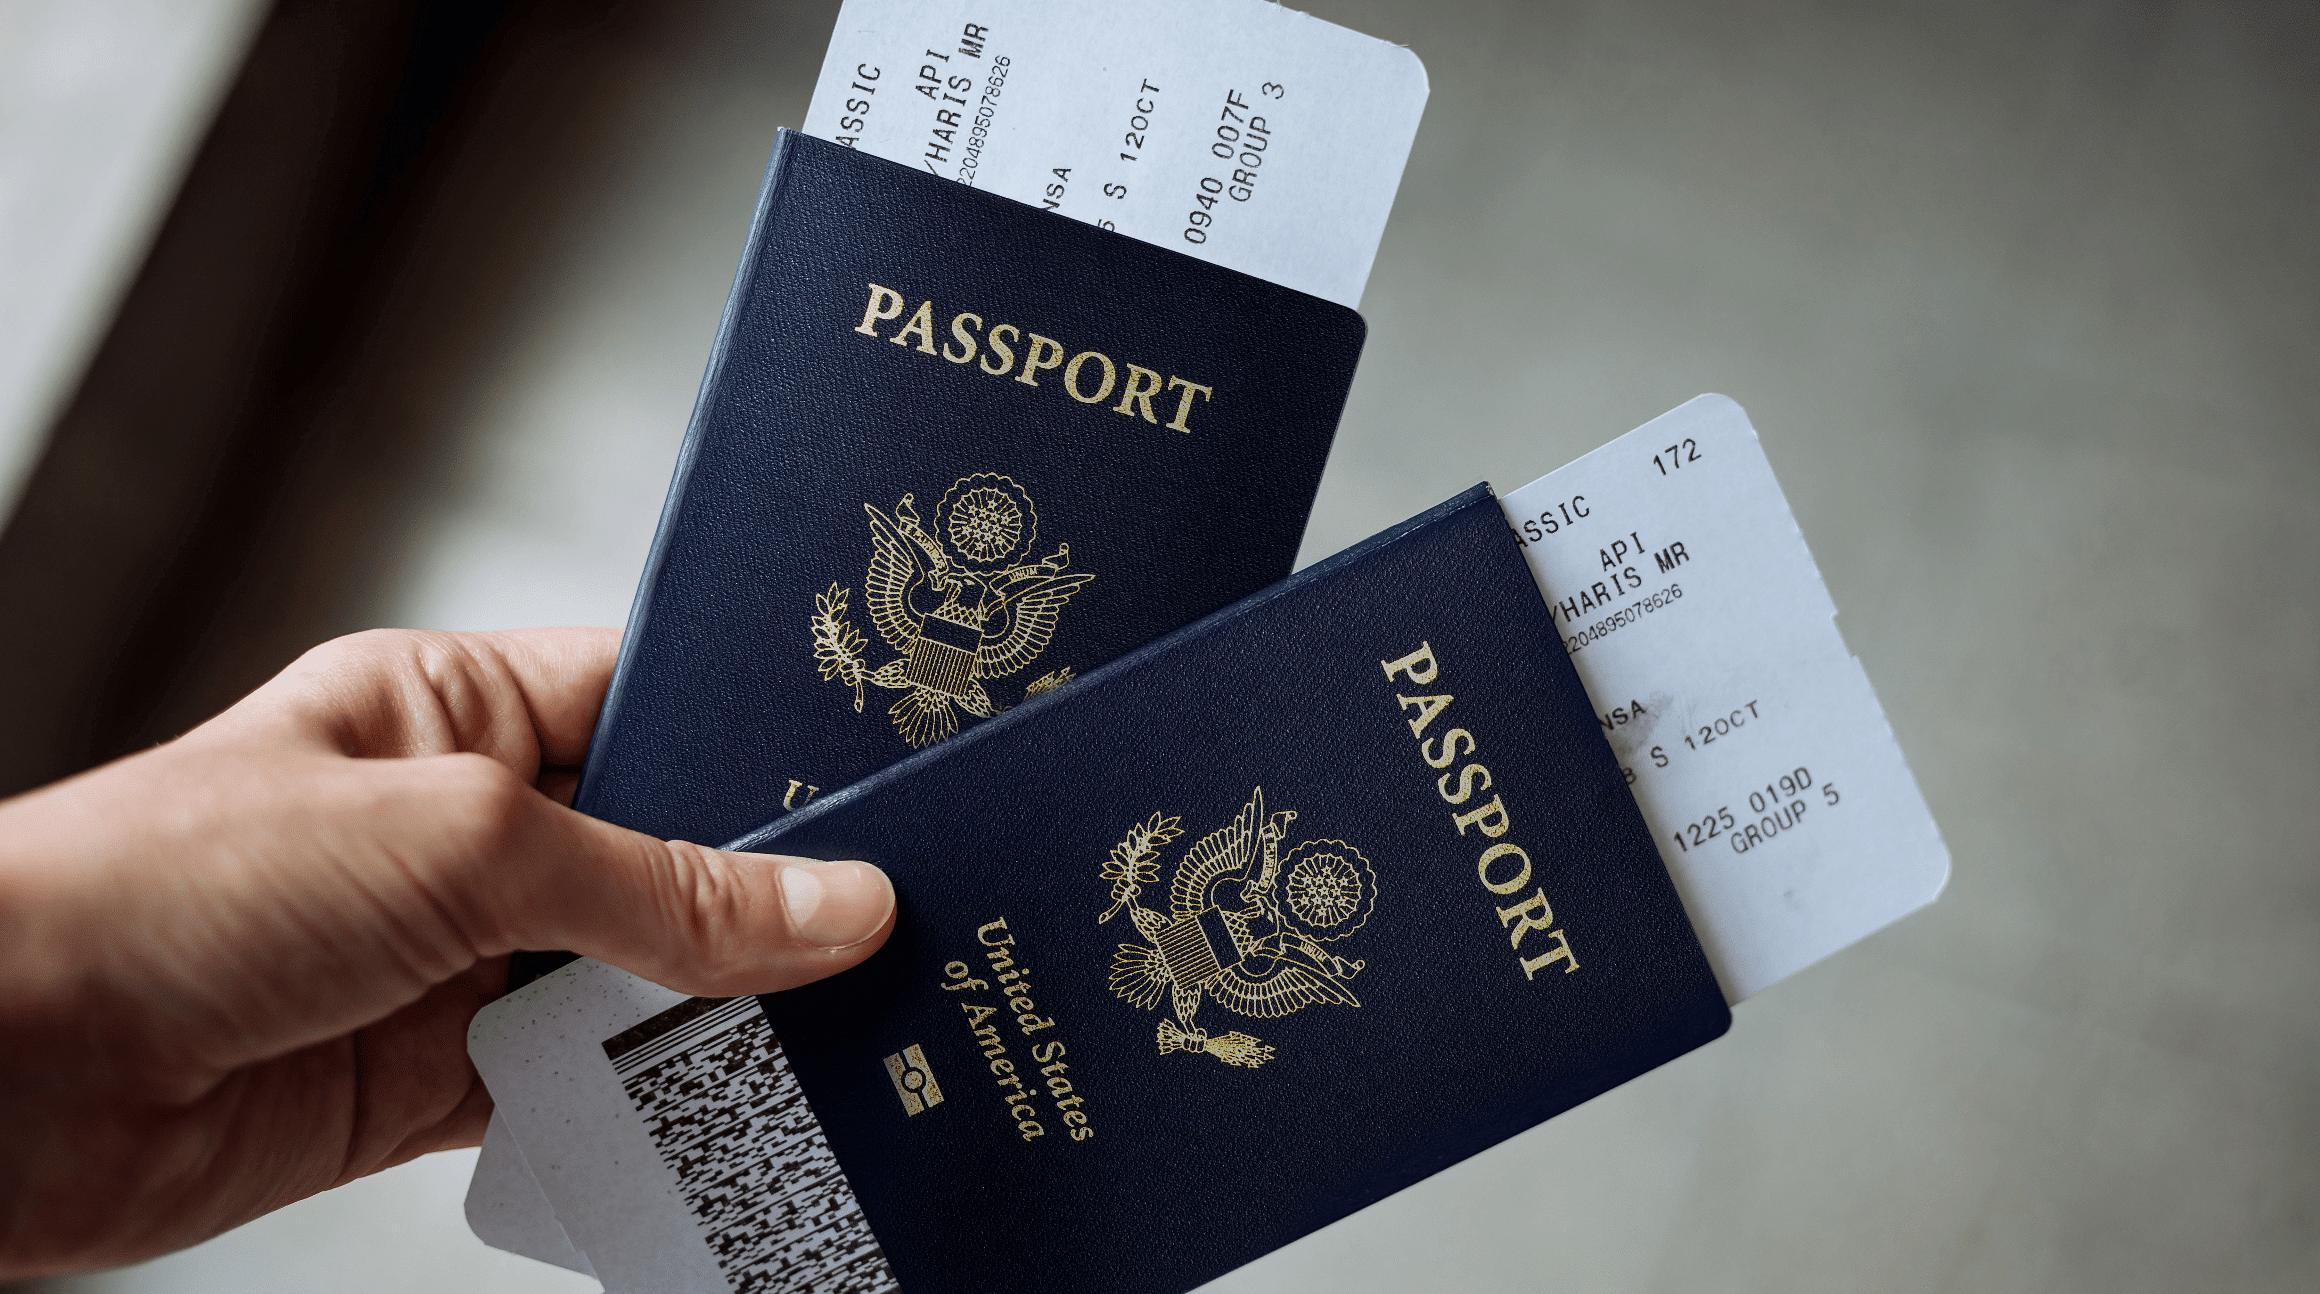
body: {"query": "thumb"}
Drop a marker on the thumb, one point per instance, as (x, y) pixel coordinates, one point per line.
(702, 921)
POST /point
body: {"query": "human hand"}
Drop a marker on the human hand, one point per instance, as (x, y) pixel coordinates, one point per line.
(239, 968)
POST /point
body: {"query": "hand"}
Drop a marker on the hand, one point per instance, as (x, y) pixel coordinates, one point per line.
(239, 968)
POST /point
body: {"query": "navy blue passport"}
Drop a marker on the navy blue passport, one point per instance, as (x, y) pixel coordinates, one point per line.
(950, 452)
(1248, 929)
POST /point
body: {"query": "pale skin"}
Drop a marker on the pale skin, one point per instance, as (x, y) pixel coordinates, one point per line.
(238, 969)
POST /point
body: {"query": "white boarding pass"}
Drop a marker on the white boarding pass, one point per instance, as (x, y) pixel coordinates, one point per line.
(1750, 736)
(1239, 132)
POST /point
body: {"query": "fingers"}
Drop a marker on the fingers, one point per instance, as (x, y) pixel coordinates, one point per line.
(717, 924)
(562, 675)
(526, 698)
(517, 868)
(695, 919)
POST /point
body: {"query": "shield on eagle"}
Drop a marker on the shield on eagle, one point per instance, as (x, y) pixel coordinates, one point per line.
(958, 600)
(1244, 927)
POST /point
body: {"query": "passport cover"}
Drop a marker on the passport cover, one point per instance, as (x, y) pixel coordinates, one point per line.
(1256, 925)
(950, 451)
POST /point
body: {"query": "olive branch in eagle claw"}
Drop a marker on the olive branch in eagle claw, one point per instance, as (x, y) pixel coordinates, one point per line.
(1135, 861)
(837, 644)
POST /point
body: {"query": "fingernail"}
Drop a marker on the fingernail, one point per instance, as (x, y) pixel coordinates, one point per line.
(834, 905)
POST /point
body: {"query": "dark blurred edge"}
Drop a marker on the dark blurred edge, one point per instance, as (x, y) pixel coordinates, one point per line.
(159, 479)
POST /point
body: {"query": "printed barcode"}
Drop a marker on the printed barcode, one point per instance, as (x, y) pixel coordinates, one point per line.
(729, 1120)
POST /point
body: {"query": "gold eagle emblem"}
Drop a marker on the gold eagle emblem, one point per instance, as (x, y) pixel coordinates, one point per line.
(957, 600)
(1244, 927)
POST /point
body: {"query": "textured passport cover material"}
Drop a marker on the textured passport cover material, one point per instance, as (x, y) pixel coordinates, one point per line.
(950, 451)
(1253, 927)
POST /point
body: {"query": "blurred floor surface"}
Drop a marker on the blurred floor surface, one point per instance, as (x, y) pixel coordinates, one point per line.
(2024, 302)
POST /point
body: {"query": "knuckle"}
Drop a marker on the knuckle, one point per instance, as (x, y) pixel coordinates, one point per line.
(711, 909)
(369, 649)
(425, 655)
(373, 685)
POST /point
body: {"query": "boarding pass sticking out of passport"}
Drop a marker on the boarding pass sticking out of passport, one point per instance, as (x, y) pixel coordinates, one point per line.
(1752, 741)
(1246, 134)
(1750, 736)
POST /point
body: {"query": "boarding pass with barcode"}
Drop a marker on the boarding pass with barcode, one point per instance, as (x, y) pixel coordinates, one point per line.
(1684, 594)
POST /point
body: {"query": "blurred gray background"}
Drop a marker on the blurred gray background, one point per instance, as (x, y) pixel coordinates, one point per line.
(2022, 299)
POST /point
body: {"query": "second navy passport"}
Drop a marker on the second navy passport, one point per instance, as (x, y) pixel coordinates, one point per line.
(1251, 928)
(950, 453)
